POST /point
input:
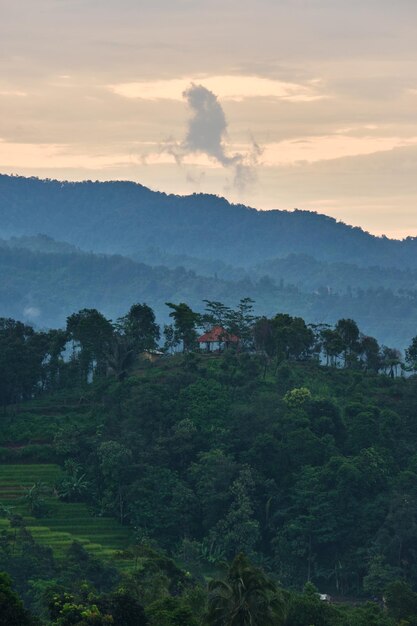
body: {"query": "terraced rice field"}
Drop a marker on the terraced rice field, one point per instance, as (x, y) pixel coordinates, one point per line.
(64, 522)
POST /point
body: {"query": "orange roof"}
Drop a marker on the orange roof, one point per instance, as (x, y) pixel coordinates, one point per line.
(217, 333)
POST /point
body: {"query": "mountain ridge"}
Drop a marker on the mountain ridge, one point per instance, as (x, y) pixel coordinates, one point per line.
(122, 217)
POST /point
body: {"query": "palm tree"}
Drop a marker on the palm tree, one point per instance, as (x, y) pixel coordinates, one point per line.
(245, 598)
(33, 498)
(74, 485)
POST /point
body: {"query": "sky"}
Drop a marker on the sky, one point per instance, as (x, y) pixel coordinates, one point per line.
(308, 104)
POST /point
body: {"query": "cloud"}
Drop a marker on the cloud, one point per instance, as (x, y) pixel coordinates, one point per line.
(330, 147)
(228, 87)
(31, 312)
(206, 134)
(207, 127)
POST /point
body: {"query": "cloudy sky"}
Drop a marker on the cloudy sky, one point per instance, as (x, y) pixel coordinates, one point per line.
(273, 103)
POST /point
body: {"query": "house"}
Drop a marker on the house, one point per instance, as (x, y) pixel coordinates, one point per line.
(217, 339)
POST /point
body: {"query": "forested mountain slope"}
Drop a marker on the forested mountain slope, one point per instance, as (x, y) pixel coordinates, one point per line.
(182, 464)
(44, 287)
(123, 217)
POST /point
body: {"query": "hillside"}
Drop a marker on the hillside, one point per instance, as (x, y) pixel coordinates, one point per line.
(45, 287)
(124, 218)
(310, 470)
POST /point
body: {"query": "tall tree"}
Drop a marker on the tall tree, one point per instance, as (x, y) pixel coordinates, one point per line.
(140, 327)
(411, 355)
(246, 597)
(240, 321)
(348, 331)
(369, 349)
(185, 323)
(93, 333)
(216, 313)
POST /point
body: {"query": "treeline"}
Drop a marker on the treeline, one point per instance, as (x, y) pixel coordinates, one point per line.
(33, 361)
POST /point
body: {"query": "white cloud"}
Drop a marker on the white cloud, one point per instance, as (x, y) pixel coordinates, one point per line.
(227, 87)
(324, 148)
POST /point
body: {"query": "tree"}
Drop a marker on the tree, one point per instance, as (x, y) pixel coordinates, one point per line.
(171, 612)
(297, 397)
(241, 320)
(12, 612)
(140, 328)
(93, 333)
(34, 499)
(22, 353)
(391, 360)
(307, 608)
(124, 609)
(246, 597)
(56, 341)
(332, 345)
(293, 338)
(239, 530)
(71, 610)
(114, 462)
(369, 348)
(171, 338)
(348, 331)
(411, 355)
(120, 356)
(263, 335)
(217, 313)
(401, 602)
(379, 575)
(185, 322)
(74, 485)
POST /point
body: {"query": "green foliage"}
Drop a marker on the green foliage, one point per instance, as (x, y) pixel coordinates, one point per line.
(12, 612)
(245, 597)
(92, 333)
(401, 602)
(411, 355)
(170, 611)
(297, 397)
(185, 322)
(34, 499)
(309, 468)
(73, 486)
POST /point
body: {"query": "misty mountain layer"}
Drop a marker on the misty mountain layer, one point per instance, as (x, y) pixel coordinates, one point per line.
(125, 218)
(145, 246)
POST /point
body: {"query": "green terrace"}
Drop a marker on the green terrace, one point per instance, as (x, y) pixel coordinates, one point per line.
(63, 522)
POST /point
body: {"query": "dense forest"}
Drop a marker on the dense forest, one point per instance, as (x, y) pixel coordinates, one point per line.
(269, 480)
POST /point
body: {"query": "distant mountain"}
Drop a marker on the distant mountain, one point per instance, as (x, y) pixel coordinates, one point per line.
(40, 243)
(43, 288)
(126, 218)
(310, 274)
(108, 245)
(299, 270)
